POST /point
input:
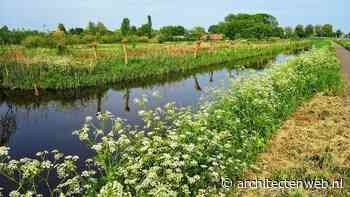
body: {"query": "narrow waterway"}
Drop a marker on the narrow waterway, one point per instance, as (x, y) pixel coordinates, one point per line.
(29, 124)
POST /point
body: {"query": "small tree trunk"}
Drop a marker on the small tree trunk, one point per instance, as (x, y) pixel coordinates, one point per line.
(196, 50)
(125, 54)
(36, 90)
(94, 46)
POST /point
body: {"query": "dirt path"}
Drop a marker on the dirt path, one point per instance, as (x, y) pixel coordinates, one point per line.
(344, 57)
(313, 144)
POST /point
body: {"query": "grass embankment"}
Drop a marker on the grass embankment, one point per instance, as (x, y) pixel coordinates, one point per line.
(69, 97)
(344, 43)
(313, 144)
(19, 72)
(188, 153)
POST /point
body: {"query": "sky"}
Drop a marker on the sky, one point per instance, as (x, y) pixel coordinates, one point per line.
(46, 14)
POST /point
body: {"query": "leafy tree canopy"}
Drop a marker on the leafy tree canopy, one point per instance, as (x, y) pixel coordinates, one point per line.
(125, 27)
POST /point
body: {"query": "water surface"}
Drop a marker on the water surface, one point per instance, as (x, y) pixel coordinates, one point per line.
(29, 124)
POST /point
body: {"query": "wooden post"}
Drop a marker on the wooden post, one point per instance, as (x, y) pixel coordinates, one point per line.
(94, 46)
(125, 49)
(196, 50)
(36, 90)
(125, 54)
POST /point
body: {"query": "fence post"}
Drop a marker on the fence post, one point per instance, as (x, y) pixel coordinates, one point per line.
(36, 90)
(94, 46)
(125, 49)
(198, 45)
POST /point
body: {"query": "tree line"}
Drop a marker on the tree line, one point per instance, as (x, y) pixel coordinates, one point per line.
(234, 26)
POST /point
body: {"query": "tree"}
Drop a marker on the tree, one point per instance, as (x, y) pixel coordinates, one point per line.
(76, 31)
(214, 29)
(149, 24)
(309, 30)
(146, 29)
(288, 32)
(228, 29)
(4, 29)
(248, 26)
(299, 31)
(5, 35)
(318, 30)
(327, 30)
(133, 30)
(91, 28)
(173, 30)
(169, 32)
(198, 31)
(125, 27)
(338, 33)
(143, 30)
(279, 32)
(101, 28)
(61, 28)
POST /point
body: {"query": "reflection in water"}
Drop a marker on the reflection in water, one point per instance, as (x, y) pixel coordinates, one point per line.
(196, 83)
(99, 99)
(8, 125)
(211, 74)
(126, 100)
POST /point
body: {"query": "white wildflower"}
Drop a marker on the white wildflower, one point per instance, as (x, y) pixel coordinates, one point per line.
(88, 119)
(97, 147)
(4, 151)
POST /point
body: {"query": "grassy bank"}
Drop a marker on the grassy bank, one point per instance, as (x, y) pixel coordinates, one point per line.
(312, 145)
(28, 99)
(24, 72)
(344, 43)
(181, 152)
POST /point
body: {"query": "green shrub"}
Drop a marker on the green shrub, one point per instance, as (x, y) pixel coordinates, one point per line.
(38, 41)
(88, 39)
(142, 39)
(73, 40)
(108, 39)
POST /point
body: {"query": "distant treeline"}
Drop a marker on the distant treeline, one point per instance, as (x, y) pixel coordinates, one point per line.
(234, 26)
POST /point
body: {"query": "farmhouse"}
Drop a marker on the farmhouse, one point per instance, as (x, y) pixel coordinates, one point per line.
(216, 37)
